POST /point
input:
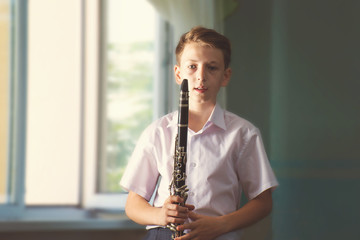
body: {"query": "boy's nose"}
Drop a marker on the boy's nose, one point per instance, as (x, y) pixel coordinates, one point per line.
(201, 74)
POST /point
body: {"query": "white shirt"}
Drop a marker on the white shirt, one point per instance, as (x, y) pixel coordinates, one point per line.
(224, 159)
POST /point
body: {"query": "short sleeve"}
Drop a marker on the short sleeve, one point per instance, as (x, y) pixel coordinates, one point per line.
(255, 172)
(141, 173)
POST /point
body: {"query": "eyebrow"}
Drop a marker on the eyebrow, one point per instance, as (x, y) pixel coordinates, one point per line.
(192, 60)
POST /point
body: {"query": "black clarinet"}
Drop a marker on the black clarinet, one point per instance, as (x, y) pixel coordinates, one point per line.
(177, 186)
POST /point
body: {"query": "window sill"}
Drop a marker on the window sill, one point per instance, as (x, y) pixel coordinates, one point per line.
(67, 218)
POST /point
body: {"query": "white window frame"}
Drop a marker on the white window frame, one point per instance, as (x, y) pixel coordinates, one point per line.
(17, 114)
(92, 82)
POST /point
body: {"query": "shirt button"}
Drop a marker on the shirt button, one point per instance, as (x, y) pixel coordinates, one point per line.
(192, 164)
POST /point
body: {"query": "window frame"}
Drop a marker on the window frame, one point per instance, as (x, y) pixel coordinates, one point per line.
(17, 111)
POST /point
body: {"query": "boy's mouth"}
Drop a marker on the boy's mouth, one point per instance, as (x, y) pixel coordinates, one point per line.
(201, 89)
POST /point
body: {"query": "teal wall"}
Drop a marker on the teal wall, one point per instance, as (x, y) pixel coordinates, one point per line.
(296, 76)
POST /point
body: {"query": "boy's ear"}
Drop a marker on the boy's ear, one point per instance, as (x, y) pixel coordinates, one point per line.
(227, 76)
(177, 74)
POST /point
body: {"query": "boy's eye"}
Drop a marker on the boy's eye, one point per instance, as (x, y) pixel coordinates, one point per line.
(192, 66)
(212, 68)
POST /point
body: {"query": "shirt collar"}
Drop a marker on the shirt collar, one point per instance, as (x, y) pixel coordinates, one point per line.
(217, 118)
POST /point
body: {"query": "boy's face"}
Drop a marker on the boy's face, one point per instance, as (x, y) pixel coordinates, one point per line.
(204, 68)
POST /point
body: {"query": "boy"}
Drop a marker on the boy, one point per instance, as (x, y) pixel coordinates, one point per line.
(225, 155)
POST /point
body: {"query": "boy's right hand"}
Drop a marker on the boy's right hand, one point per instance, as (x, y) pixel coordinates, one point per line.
(172, 212)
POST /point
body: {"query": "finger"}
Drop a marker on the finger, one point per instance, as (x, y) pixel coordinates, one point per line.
(185, 226)
(177, 214)
(176, 199)
(173, 199)
(175, 220)
(193, 216)
(185, 237)
(190, 207)
(178, 208)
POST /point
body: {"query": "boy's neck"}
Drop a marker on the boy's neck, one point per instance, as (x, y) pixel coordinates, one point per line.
(198, 115)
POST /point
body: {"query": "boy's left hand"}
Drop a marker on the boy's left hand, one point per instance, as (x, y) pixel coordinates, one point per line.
(202, 227)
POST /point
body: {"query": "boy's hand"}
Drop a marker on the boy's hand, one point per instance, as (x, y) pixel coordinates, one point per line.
(202, 228)
(172, 212)
(205, 227)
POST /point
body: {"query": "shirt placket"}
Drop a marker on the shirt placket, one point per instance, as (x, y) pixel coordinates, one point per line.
(193, 165)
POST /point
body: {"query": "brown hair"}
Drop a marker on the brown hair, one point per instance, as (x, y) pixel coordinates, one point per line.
(206, 37)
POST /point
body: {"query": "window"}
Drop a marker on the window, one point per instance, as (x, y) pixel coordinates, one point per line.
(128, 95)
(76, 97)
(127, 85)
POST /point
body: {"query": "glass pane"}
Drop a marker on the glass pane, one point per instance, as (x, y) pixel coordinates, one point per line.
(4, 96)
(127, 106)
